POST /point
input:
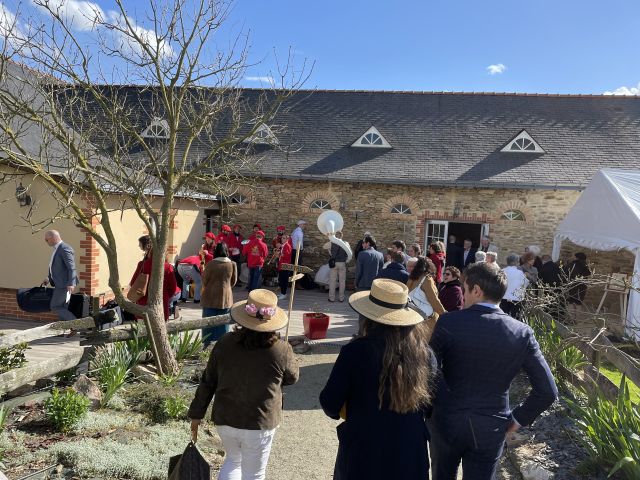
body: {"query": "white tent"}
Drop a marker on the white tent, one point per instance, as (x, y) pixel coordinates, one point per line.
(607, 217)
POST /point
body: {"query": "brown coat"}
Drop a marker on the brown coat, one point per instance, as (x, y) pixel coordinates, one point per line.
(220, 274)
(246, 385)
(431, 292)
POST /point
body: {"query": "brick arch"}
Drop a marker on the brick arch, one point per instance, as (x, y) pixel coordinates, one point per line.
(251, 199)
(398, 199)
(319, 195)
(514, 205)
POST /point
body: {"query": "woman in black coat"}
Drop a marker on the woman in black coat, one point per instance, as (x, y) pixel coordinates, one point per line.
(384, 435)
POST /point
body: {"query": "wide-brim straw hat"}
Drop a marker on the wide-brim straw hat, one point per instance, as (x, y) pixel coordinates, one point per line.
(252, 318)
(387, 302)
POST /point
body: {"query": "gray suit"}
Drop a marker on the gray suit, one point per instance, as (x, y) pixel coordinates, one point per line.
(62, 275)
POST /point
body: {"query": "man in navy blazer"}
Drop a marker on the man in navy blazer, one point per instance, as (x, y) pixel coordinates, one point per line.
(62, 275)
(468, 254)
(480, 350)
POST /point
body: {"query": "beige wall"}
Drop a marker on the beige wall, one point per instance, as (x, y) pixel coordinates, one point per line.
(25, 255)
(127, 227)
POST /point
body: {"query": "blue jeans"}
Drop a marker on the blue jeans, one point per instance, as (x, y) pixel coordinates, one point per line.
(211, 334)
(254, 277)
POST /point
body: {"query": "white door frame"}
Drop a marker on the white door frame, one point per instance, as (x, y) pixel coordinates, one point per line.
(426, 232)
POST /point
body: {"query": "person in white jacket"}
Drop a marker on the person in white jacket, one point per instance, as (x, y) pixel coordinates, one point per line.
(517, 284)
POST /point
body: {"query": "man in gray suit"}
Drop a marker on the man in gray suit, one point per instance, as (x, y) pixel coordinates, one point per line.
(62, 275)
(369, 263)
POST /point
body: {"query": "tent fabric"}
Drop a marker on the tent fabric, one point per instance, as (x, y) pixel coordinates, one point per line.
(606, 217)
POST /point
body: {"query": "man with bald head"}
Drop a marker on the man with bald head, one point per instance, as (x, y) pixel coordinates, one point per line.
(62, 275)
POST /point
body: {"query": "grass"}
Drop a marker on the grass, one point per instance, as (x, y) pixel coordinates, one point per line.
(615, 376)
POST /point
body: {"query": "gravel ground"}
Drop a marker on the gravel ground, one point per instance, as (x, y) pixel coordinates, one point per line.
(305, 445)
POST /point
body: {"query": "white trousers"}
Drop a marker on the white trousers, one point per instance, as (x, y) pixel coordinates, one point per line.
(246, 453)
(339, 272)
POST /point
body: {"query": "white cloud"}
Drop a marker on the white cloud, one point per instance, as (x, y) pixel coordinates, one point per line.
(496, 68)
(126, 43)
(77, 14)
(10, 29)
(264, 79)
(625, 91)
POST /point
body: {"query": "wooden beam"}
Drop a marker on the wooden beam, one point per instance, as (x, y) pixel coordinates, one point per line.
(18, 377)
(51, 329)
(120, 334)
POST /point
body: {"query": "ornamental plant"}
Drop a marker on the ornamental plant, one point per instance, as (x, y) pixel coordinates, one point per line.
(65, 408)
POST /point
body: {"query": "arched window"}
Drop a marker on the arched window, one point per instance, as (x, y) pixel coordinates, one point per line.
(157, 129)
(320, 204)
(524, 143)
(237, 199)
(513, 215)
(401, 209)
(372, 138)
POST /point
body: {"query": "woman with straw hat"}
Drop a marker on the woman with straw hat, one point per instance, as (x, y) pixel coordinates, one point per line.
(244, 376)
(381, 384)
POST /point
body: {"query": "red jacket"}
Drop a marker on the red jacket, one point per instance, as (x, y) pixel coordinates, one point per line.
(221, 237)
(234, 243)
(285, 254)
(256, 251)
(438, 261)
(169, 284)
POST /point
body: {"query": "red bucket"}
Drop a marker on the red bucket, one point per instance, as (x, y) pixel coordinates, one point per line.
(315, 325)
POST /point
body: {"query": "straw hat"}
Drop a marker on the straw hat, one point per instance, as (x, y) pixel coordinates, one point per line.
(259, 312)
(387, 302)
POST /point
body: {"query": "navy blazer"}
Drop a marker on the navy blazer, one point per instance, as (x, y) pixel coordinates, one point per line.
(63, 268)
(394, 271)
(369, 263)
(471, 257)
(480, 350)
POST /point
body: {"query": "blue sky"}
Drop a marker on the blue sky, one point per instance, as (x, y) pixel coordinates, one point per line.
(544, 46)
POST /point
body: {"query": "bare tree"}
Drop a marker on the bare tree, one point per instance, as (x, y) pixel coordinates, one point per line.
(151, 111)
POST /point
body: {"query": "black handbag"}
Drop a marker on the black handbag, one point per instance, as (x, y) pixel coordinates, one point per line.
(191, 465)
(332, 262)
(35, 299)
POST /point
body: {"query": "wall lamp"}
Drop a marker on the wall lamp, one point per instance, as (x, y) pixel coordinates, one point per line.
(457, 210)
(24, 199)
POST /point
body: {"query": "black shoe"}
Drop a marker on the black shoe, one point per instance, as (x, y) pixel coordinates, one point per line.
(196, 301)
(183, 300)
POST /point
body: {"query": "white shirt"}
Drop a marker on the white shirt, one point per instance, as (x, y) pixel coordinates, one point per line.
(53, 254)
(297, 236)
(516, 284)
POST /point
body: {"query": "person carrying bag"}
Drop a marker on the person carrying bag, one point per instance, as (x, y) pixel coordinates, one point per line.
(423, 291)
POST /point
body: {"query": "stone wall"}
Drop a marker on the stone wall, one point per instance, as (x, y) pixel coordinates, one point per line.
(367, 207)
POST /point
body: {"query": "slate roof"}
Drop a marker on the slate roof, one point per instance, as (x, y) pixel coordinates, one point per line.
(446, 138)
(455, 139)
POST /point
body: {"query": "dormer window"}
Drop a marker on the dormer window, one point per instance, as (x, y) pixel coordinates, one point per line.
(523, 143)
(372, 138)
(262, 136)
(157, 129)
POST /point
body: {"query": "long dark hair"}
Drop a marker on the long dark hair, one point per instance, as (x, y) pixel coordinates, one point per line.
(221, 250)
(252, 340)
(406, 366)
(423, 266)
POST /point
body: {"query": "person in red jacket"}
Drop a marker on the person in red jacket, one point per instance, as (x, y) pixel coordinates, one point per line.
(256, 228)
(189, 269)
(234, 244)
(256, 252)
(225, 230)
(209, 244)
(278, 240)
(286, 249)
(437, 256)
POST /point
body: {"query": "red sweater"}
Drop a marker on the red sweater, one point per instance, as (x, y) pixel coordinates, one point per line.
(438, 261)
(234, 243)
(169, 284)
(256, 251)
(285, 254)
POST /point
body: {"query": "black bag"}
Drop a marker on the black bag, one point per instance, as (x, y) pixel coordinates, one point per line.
(34, 300)
(109, 316)
(80, 305)
(332, 262)
(191, 465)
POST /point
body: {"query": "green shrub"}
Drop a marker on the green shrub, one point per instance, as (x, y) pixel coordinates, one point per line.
(186, 345)
(175, 408)
(13, 357)
(111, 366)
(151, 399)
(612, 430)
(65, 409)
(556, 350)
